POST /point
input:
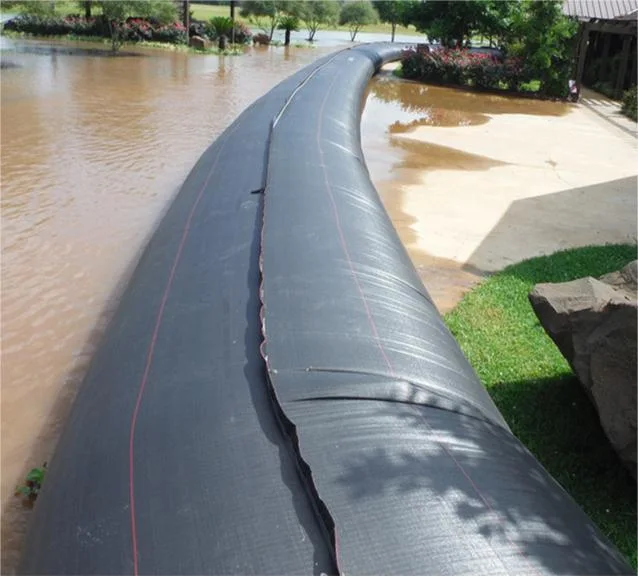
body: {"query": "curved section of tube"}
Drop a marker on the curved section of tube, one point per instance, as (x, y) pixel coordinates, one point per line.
(415, 464)
(365, 444)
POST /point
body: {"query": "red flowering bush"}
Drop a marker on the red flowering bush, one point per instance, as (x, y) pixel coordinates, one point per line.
(52, 26)
(136, 29)
(133, 30)
(174, 33)
(463, 67)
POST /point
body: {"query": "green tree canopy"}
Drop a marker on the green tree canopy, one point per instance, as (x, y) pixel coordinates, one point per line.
(288, 23)
(317, 13)
(356, 14)
(545, 41)
(448, 21)
(395, 12)
(266, 14)
(31, 8)
(453, 23)
(115, 12)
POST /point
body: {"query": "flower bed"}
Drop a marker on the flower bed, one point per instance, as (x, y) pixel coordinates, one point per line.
(464, 68)
(133, 30)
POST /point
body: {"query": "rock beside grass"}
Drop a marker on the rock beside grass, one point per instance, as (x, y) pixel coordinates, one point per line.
(594, 324)
(199, 43)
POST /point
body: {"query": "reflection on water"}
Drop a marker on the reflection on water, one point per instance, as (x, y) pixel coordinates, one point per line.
(413, 104)
(395, 107)
(93, 149)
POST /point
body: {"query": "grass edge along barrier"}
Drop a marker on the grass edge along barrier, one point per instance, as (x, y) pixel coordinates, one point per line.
(536, 391)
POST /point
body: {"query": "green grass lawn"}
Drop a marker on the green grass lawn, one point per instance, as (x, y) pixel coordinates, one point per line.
(207, 11)
(534, 388)
(64, 8)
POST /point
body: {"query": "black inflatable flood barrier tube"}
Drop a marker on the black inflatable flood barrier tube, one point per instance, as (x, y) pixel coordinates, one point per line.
(277, 393)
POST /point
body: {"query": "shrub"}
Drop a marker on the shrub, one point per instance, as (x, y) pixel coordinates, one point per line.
(222, 26)
(197, 29)
(219, 26)
(462, 67)
(41, 25)
(546, 42)
(173, 33)
(630, 104)
(243, 35)
(606, 88)
(33, 484)
(133, 30)
(136, 30)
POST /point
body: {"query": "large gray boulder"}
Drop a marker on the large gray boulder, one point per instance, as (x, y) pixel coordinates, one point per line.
(199, 43)
(593, 323)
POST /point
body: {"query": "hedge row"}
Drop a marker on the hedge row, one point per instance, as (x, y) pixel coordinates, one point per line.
(133, 30)
(630, 103)
(465, 68)
(219, 26)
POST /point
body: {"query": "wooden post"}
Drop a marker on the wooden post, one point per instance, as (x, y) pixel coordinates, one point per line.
(605, 56)
(634, 66)
(622, 70)
(582, 54)
(575, 60)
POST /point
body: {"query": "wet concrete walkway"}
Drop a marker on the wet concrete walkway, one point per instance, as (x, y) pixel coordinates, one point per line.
(609, 110)
(475, 182)
(520, 186)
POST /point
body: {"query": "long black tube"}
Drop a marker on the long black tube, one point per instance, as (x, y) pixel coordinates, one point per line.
(277, 393)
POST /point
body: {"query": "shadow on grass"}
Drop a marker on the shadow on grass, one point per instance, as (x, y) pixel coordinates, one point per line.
(538, 395)
(556, 421)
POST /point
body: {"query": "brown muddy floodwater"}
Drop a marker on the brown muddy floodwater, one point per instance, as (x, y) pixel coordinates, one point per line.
(93, 150)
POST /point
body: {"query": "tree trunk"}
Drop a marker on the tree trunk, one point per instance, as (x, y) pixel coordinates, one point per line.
(186, 7)
(394, 27)
(87, 9)
(114, 29)
(287, 38)
(232, 17)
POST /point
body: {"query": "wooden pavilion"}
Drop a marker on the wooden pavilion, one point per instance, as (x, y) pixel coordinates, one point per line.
(606, 49)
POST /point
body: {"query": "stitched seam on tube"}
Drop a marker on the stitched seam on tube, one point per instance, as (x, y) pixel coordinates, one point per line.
(373, 326)
(151, 349)
(287, 426)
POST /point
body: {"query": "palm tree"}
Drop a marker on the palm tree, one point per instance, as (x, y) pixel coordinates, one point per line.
(288, 23)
